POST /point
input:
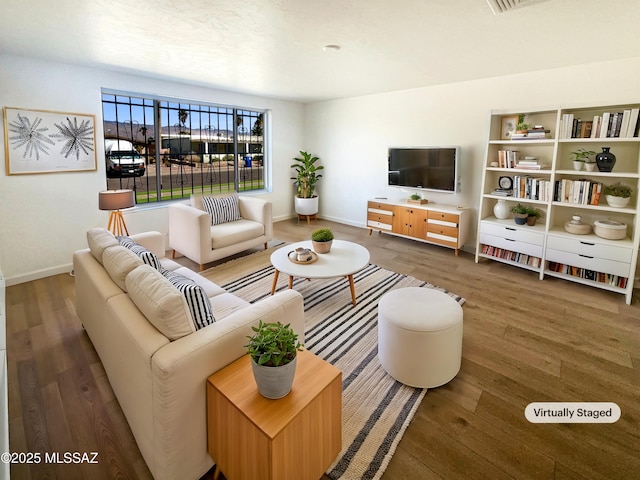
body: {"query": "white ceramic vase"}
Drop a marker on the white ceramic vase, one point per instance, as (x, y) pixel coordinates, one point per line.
(501, 210)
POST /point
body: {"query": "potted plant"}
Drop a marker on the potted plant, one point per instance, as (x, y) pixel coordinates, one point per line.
(415, 198)
(522, 127)
(617, 194)
(306, 201)
(521, 214)
(273, 349)
(582, 157)
(532, 215)
(321, 240)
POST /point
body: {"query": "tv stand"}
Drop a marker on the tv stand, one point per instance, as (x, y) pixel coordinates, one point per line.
(443, 225)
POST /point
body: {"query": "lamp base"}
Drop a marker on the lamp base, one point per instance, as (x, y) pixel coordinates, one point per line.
(116, 224)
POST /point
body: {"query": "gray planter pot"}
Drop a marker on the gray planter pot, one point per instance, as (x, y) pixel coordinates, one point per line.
(274, 382)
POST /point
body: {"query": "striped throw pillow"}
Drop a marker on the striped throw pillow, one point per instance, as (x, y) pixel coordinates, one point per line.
(196, 298)
(222, 209)
(147, 257)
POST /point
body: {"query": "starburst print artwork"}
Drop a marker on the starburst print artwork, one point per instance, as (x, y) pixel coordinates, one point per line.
(29, 135)
(42, 141)
(75, 137)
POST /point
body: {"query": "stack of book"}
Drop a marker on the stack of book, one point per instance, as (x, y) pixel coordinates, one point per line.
(623, 124)
(502, 192)
(587, 274)
(538, 132)
(507, 158)
(531, 163)
(531, 188)
(582, 192)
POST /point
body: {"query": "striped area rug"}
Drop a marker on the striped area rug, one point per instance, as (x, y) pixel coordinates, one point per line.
(376, 409)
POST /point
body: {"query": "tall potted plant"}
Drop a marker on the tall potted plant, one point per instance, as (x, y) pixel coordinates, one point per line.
(273, 349)
(306, 201)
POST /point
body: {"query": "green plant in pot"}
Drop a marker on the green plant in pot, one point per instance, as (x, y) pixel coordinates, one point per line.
(617, 194)
(582, 157)
(521, 213)
(305, 180)
(273, 349)
(522, 127)
(532, 215)
(321, 240)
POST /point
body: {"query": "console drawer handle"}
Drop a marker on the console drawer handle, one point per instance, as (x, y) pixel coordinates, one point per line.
(509, 239)
(587, 243)
(585, 256)
(510, 229)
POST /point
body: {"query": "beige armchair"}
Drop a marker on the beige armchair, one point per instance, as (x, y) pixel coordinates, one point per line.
(192, 235)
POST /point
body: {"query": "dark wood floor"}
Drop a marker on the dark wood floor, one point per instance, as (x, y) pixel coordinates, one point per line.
(525, 340)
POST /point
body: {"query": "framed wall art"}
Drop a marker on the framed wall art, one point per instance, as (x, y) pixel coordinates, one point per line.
(508, 127)
(41, 141)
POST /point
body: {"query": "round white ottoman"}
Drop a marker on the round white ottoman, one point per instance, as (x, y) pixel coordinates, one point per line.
(420, 336)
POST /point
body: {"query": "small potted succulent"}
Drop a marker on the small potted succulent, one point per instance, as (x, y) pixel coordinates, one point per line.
(617, 194)
(521, 213)
(273, 349)
(321, 240)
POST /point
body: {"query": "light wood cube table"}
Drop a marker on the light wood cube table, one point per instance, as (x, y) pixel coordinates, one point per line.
(296, 437)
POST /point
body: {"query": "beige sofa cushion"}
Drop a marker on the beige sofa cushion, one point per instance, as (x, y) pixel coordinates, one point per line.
(232, 233)
(118, 261)
(98, 240)
(163, 305)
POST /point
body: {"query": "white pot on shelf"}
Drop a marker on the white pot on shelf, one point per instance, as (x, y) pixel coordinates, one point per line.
(502, 210)
(617, 202)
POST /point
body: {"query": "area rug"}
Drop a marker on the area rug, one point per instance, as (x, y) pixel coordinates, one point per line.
(376, 409)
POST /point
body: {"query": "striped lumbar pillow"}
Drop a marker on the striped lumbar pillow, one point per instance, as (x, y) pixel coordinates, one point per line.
(147, 257)
(196, 298)
(222, 209)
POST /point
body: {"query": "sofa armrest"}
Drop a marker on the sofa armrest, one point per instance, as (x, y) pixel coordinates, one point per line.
(258, 210)
(152, 241)
(181, 368)
(190, 231)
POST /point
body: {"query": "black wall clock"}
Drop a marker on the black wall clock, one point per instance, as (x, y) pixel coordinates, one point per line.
(505, 183)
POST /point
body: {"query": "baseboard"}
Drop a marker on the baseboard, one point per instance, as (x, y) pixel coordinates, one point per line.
(38, 274)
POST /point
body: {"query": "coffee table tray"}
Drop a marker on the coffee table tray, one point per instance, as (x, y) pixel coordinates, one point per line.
(292, 254)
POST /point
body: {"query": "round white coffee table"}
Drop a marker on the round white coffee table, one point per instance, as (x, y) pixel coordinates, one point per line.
(344, 259)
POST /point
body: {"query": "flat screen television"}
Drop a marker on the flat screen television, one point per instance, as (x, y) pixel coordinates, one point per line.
(430, 168)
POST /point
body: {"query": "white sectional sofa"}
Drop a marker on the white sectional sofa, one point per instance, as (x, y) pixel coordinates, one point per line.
(198, 235)
(160, 378)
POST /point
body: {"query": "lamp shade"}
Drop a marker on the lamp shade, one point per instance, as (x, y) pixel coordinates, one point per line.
(116, 199)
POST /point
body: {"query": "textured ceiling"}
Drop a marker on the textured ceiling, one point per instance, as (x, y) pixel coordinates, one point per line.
(274, 47)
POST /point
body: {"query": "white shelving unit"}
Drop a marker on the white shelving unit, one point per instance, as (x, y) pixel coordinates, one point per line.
(547, 248)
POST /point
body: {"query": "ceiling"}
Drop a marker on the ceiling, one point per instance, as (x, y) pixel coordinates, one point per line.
(274, 48)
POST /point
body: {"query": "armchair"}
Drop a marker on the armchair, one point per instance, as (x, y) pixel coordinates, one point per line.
(192, 235)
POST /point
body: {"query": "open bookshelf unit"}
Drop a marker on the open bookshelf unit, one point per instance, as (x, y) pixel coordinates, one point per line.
(560, 192)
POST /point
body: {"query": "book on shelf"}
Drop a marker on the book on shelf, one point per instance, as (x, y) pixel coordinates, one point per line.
(507, 158)
(581, 192)
(501, 192)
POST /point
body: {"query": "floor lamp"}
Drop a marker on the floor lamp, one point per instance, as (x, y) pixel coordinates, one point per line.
(115, 200)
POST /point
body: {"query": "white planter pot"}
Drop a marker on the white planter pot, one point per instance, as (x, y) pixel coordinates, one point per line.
(617, 202)
(577, 165)
(590, 167)
(306, 206)
(274, 382)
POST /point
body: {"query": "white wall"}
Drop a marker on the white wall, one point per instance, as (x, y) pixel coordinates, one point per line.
(351, 136)
(43, 218)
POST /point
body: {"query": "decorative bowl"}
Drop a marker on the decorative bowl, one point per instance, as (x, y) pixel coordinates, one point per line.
(576, 226)
(610, 229)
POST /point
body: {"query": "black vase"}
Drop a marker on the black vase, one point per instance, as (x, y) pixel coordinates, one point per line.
(605, 160)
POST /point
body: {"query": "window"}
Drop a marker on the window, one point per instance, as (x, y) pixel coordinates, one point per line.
(166, 150)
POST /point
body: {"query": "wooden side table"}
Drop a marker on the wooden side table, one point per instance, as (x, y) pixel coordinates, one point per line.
(295, 437)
